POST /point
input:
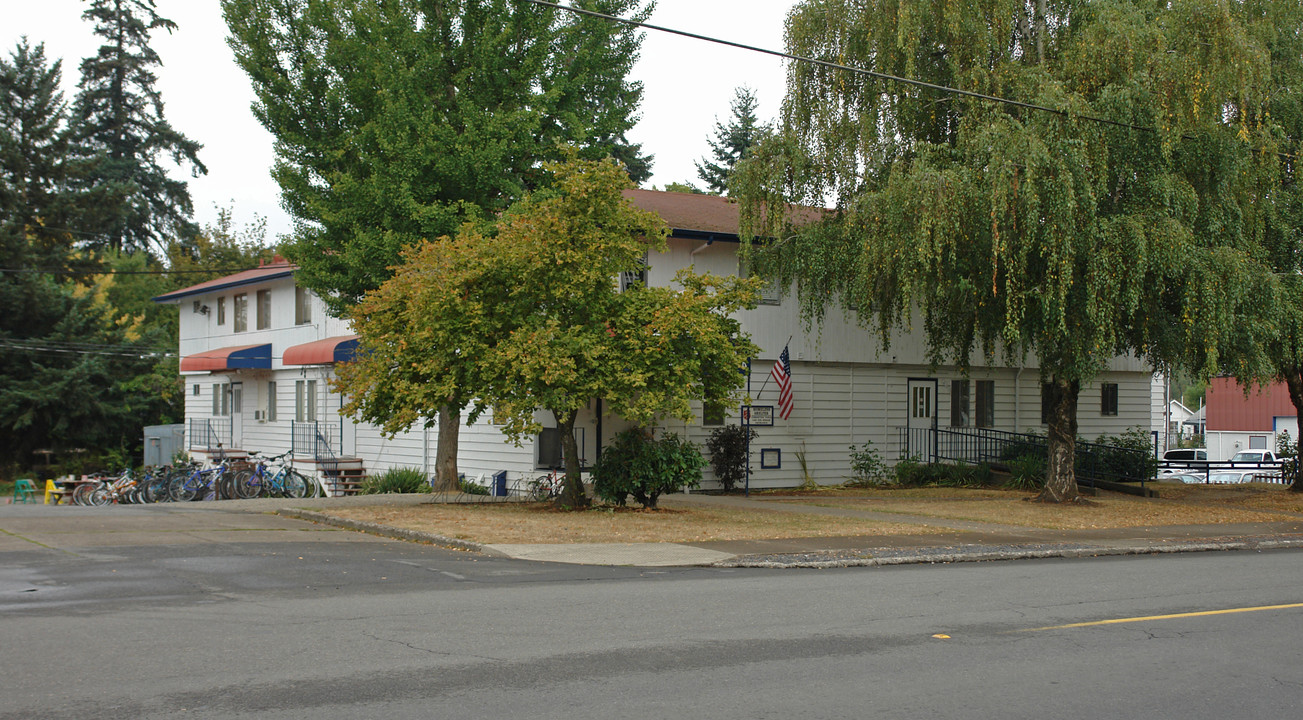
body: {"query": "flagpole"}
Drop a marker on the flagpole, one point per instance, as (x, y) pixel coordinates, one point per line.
(762, 387)
(746, 431)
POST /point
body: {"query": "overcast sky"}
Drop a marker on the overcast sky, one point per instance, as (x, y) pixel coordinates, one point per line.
(687, 85)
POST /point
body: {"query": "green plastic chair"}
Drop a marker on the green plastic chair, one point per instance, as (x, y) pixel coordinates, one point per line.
(24, 491)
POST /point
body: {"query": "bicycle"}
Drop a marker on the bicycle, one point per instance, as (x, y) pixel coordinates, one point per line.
(201, 482)
(121, 489)
(546, 487)
(283, 481)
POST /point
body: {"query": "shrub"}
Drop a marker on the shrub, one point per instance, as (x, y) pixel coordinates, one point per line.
(639, 465)
(728, 453)
(471, 488)
(396, 480)
(1287, 448)
(1026, 472)
(1127, 456)
(867, 467)
(912, 473)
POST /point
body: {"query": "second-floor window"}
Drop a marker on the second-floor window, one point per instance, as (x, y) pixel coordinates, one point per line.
(221, 311)
(771, 293)
(302, 306)
(264, 309)
(240, 307)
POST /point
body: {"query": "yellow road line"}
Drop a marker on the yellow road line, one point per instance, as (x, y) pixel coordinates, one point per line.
(1117, 621)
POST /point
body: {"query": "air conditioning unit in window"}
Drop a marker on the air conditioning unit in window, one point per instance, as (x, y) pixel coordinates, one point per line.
(260, 415)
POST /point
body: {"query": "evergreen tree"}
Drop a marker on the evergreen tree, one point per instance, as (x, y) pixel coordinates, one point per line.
(33, 148)
(122, 137)
(732, 142)
(399, 121)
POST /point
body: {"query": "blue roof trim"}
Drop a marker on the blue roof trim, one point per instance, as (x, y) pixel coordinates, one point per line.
(345, 351)
(169, 297)
(257, 357)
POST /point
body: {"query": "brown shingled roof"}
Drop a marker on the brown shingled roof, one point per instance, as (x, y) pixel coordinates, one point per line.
(701, 213)
(278, 267)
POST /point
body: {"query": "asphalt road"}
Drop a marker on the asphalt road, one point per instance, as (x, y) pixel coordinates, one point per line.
(139, 613)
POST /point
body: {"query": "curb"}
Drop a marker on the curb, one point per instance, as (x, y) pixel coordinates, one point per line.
(867, 557)
(974, 553)
(381, 530)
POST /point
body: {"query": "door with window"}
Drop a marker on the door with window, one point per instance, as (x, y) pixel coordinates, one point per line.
(922, 419)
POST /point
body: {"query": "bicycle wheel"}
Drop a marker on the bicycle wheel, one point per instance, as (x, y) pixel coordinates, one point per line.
(294, 485)
(539, 490)
(81, 494)
(247, 484)
(190, 488)
(224, 484)
(313, 487)
(99, 496)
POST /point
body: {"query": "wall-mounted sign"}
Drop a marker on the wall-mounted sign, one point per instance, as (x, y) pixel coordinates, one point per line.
(758, 415)
(771, 458)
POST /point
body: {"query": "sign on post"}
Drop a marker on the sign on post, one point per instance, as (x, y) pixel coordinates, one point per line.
(761, 415)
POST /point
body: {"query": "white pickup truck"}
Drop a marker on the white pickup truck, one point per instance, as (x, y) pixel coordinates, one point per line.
(1263, 457)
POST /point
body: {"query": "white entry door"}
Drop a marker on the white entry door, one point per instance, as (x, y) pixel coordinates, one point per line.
(922, 418)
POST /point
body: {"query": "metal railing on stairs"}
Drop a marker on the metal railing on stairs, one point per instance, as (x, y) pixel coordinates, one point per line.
(1094, 461)
(207, 433)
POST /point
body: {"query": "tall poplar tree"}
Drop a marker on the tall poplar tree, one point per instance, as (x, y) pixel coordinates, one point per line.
(123, 139)
(1126, 219)
(397, 121)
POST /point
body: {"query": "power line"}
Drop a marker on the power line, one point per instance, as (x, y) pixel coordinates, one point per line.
(44, 347)
(856, 70)
(64, 271)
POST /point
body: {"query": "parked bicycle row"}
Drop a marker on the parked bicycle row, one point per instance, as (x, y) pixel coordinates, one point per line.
(227, 480)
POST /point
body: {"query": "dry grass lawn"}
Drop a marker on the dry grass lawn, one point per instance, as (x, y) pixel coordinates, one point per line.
(535, 523)
(1177, 505)
(530, 523)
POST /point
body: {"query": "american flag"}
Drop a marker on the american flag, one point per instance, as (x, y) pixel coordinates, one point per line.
(782, 374)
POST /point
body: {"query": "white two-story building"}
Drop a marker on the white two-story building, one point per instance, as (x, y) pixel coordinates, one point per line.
(257, 351)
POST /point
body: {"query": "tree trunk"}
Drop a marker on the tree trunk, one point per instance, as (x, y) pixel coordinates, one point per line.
(1294, 381)
(1040, 32)
(445, 456)
(573, 495)
(1060, 474)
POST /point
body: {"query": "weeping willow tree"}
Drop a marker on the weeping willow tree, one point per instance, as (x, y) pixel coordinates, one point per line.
(1118, 208)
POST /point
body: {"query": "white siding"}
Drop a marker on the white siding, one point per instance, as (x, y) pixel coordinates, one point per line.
(848, 390)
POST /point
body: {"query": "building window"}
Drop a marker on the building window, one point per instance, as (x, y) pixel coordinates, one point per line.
(712, 414)
(771, 293)
(221, 399)
(1046, 404)
(922, 402)
(985, 403)
(271, 401)
(1108, 399)
(240, 306)
(302, 306)
(221, 311)
(305, 401)
(264, 309)
(194, 390)
(959, 403)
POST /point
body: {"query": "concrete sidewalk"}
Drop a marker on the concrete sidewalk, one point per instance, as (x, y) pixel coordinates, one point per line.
(946, 540)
